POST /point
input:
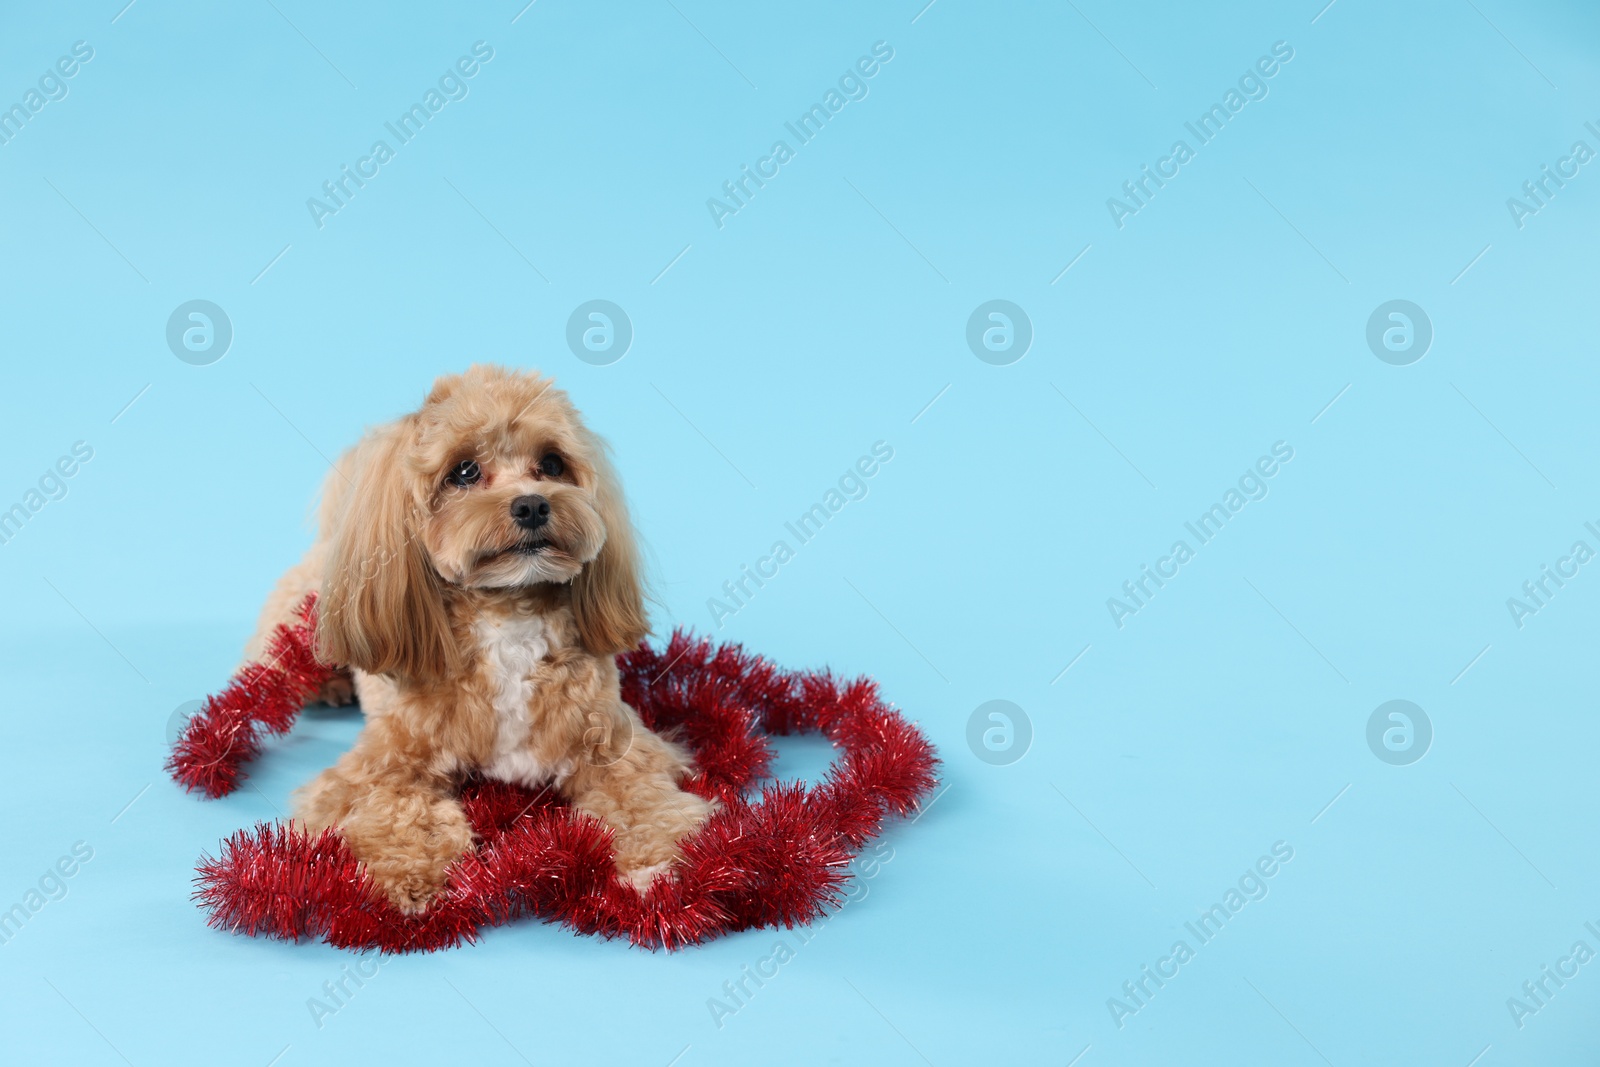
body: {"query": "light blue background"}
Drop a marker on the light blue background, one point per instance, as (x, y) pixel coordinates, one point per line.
(825, 316)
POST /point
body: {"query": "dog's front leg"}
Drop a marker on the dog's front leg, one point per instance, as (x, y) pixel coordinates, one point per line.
(628, 777)
(397, 816)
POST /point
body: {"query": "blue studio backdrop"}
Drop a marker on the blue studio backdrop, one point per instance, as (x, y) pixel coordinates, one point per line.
(1226, 373)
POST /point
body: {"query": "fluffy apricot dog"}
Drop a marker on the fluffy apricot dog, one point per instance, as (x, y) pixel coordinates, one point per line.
(477, 575)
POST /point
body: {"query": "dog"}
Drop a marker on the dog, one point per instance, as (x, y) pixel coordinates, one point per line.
(477, 575)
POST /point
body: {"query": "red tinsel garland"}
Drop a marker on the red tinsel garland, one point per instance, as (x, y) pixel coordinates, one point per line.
(263, 698)
(779, 860)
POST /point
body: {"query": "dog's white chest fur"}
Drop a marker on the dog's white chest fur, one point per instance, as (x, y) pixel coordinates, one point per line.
(513, 648)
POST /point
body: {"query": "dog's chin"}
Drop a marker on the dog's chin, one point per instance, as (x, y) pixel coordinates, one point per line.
(526, 563)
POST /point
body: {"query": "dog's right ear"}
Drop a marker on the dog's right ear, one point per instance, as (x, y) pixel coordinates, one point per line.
(382, 606)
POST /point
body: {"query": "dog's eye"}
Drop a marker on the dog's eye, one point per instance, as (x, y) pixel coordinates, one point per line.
(552, 466)
(464, 474)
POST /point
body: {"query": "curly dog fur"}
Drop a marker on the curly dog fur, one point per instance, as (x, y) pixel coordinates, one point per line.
(477, 575)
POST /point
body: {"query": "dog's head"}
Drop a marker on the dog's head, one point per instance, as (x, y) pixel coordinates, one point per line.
(495, 484)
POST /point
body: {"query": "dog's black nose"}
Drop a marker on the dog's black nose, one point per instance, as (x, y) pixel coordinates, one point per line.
(530, 512)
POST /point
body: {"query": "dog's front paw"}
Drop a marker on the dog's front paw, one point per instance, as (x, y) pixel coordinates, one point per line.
(410, 863)
(649, 848)
(409, 885)
(641, 877)
(338, 691)
(413, 893)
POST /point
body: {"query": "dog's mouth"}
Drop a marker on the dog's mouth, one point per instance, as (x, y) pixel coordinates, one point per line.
(521, 549)
(537, 559)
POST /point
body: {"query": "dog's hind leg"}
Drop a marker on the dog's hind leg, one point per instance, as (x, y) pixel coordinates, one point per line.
(292, 586)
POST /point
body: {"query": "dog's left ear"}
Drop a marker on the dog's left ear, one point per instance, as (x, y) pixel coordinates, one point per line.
(608, 596)
(382, 608)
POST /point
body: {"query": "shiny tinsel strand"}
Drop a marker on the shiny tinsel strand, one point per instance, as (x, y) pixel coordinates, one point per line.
(780, 859)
